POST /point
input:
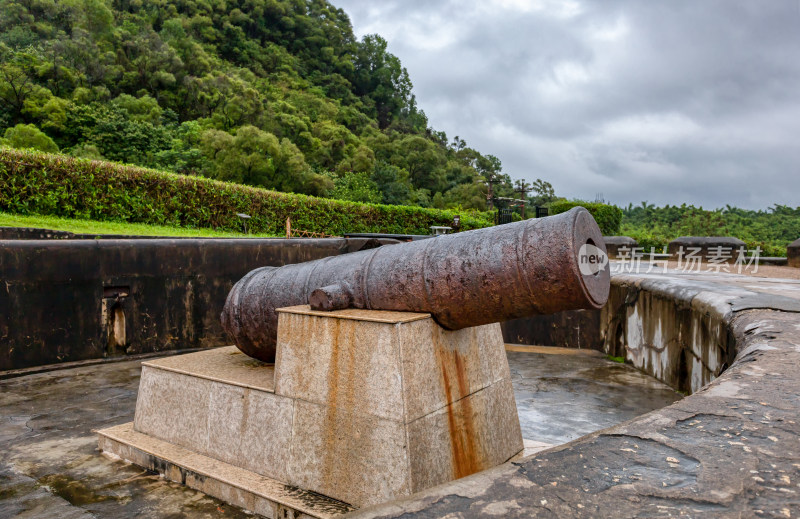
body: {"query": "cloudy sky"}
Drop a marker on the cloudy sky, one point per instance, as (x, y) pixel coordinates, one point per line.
(694, 101)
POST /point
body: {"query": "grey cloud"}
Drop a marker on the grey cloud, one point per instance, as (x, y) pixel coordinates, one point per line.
(670, 102)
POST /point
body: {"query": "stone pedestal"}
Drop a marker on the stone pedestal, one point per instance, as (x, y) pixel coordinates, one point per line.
(361, 407)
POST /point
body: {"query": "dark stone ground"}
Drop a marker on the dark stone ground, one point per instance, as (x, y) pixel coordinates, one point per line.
(49, 465)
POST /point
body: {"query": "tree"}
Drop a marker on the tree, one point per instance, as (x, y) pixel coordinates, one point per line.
(246, 158)
(50, 113)
(86, 151)
(381, 78)
(423, 161)
(356, 187)
(543, 193)
(143, 109)
(123, 139)
(259, 158)
(94, 16)
(394, 184)
(16, 81)
(467, 196)
(28, 136)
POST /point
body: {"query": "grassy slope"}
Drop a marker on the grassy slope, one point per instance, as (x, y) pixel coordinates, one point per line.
(94, 227)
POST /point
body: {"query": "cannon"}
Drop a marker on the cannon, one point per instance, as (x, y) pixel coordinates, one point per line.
(536, 266)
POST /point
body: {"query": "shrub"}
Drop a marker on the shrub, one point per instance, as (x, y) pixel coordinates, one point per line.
(647, 240)
(608, 217)
(356, 187)
(41, 183)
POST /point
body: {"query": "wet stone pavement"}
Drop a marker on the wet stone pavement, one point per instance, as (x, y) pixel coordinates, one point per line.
(49, 463)
(565, 394)
(50, 466)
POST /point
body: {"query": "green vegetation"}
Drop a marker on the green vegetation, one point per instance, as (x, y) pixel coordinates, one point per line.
(608, 217)
(277, 94)
(28, 136)
(620, 360)
(772, 230)
(654, 227)
(47, 184)
(73, 225)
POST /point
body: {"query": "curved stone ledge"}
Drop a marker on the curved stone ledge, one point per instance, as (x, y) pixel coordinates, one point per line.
(729, 449)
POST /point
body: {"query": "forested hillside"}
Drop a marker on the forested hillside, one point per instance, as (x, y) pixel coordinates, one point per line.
(270, 93)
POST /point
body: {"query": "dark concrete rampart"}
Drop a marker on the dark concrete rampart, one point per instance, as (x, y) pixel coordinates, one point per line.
(574, 329)
(71, 300)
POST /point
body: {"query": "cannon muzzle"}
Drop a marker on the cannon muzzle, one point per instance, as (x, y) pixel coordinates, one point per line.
(537, 266)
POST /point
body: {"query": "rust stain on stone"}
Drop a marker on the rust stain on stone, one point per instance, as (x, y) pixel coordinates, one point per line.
(329, 439)
(340, 407)
(463, 448)
(300, 331)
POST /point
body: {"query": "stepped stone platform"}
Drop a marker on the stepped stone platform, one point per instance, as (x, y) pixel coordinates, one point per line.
(191, 426)
(360, 407)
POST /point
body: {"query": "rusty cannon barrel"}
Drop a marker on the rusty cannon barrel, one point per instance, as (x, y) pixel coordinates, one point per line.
(536, 266)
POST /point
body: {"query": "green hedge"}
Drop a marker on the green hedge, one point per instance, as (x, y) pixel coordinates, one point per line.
(659, 242)
(608, 217)
(41, 183)
(647, 240)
